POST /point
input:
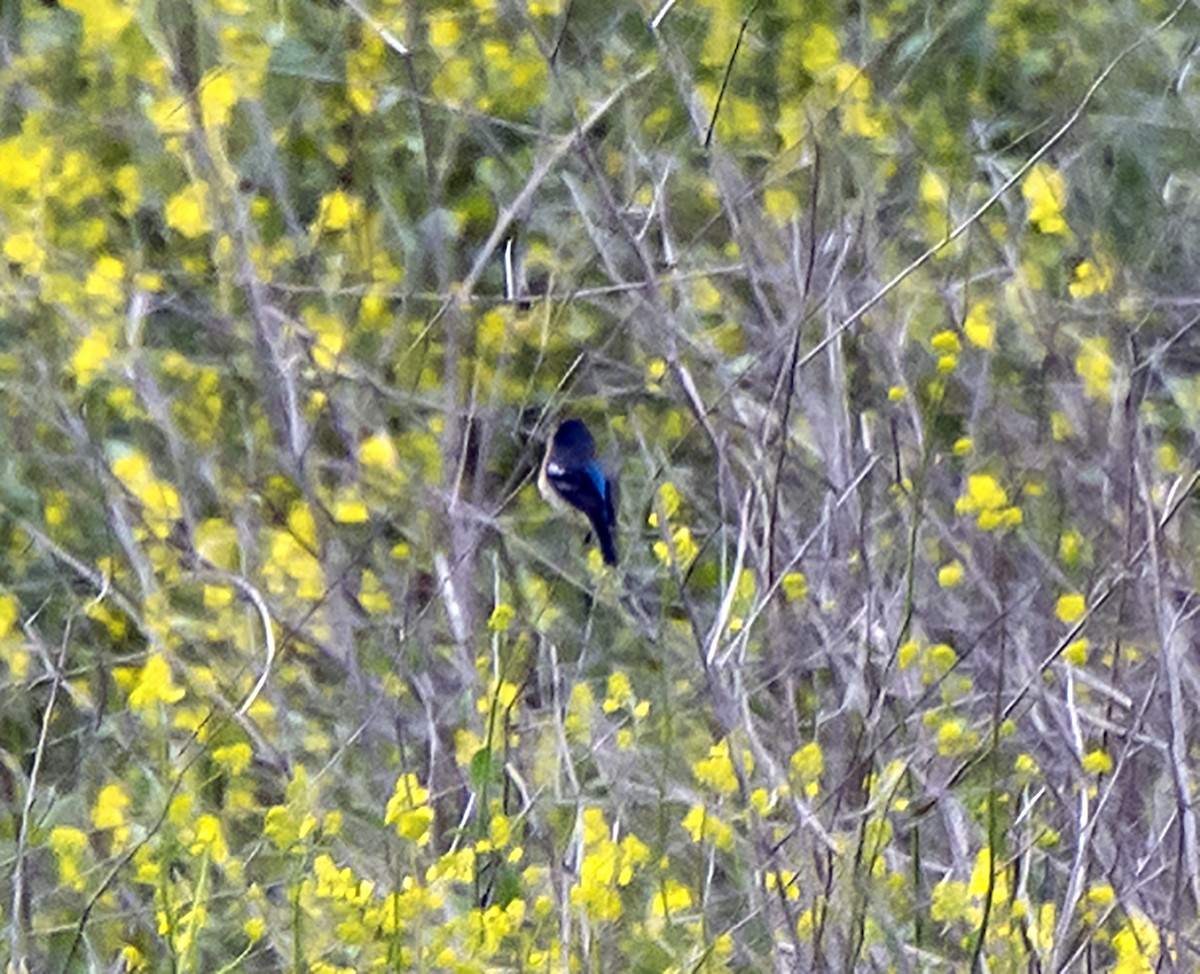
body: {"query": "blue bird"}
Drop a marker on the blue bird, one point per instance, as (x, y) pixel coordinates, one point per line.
(571, 473)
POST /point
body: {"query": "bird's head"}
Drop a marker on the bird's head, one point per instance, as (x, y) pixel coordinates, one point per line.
(574, 439)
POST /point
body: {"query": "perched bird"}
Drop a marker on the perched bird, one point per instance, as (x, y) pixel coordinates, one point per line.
(571, 473)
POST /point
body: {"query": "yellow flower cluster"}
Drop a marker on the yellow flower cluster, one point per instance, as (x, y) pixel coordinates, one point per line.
(621, 699)
(681, 550)
(409, 810)
(717, 771)
(606, 867)
(160, 501)
(988, 501)
(292, 563)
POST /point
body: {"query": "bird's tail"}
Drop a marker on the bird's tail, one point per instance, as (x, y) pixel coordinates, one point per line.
(608, 546)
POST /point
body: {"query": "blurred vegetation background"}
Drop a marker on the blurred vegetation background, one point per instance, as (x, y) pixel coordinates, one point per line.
(884, 313)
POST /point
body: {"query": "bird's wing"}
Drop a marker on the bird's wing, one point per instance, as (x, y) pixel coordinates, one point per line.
(578, 487)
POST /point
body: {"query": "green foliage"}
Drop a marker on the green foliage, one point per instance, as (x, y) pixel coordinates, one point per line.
(883, 314)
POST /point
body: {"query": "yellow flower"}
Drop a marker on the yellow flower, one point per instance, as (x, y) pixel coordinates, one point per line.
(8, 614)
(217, 98)
(781, 206)
(209, 838)
(187, 210)
(217, 596)
(668, 502)
(1097, 762)
(933, 189)
(1070, 608)
(339, 210)
(950, 901)
(1167, 458)
(795, 586)
(954, 738)
(1077, 653)
(705, 296)
(1091, 277)
(985, 498)
(330, 340)
(578, 723)
(24, 249)
(605, 867)
(1045, 189)
(946, 342)
(682, 550)
(672, 898)
(90, 357)
(499, 831)
(717, 769)
(820, 49)
(1137, 945)
(655, 370)
(109, 810)
(443, 31)
(505, 693)
(348, 506)
(620, 692)
(1025, 765)
(703, 824)
(1070, 547)
(807, 763)
(302, 524)
(153, 686)
(378, 452)
(24, 161)
(409, 810)
(501, 618)
(68, 845)
(951, 574)
(234, 758)
(983, 876)
(104, 282)
(984, 493)
(785, 880)
(595, 828)
(1095, 366)
(978, 327)
(937, 660)
(102, 20)
(458, 867)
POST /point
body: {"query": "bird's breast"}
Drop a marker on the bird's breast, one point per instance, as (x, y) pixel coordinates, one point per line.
(546, 489)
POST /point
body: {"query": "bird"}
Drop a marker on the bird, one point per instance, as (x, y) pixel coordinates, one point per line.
(571, 473)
